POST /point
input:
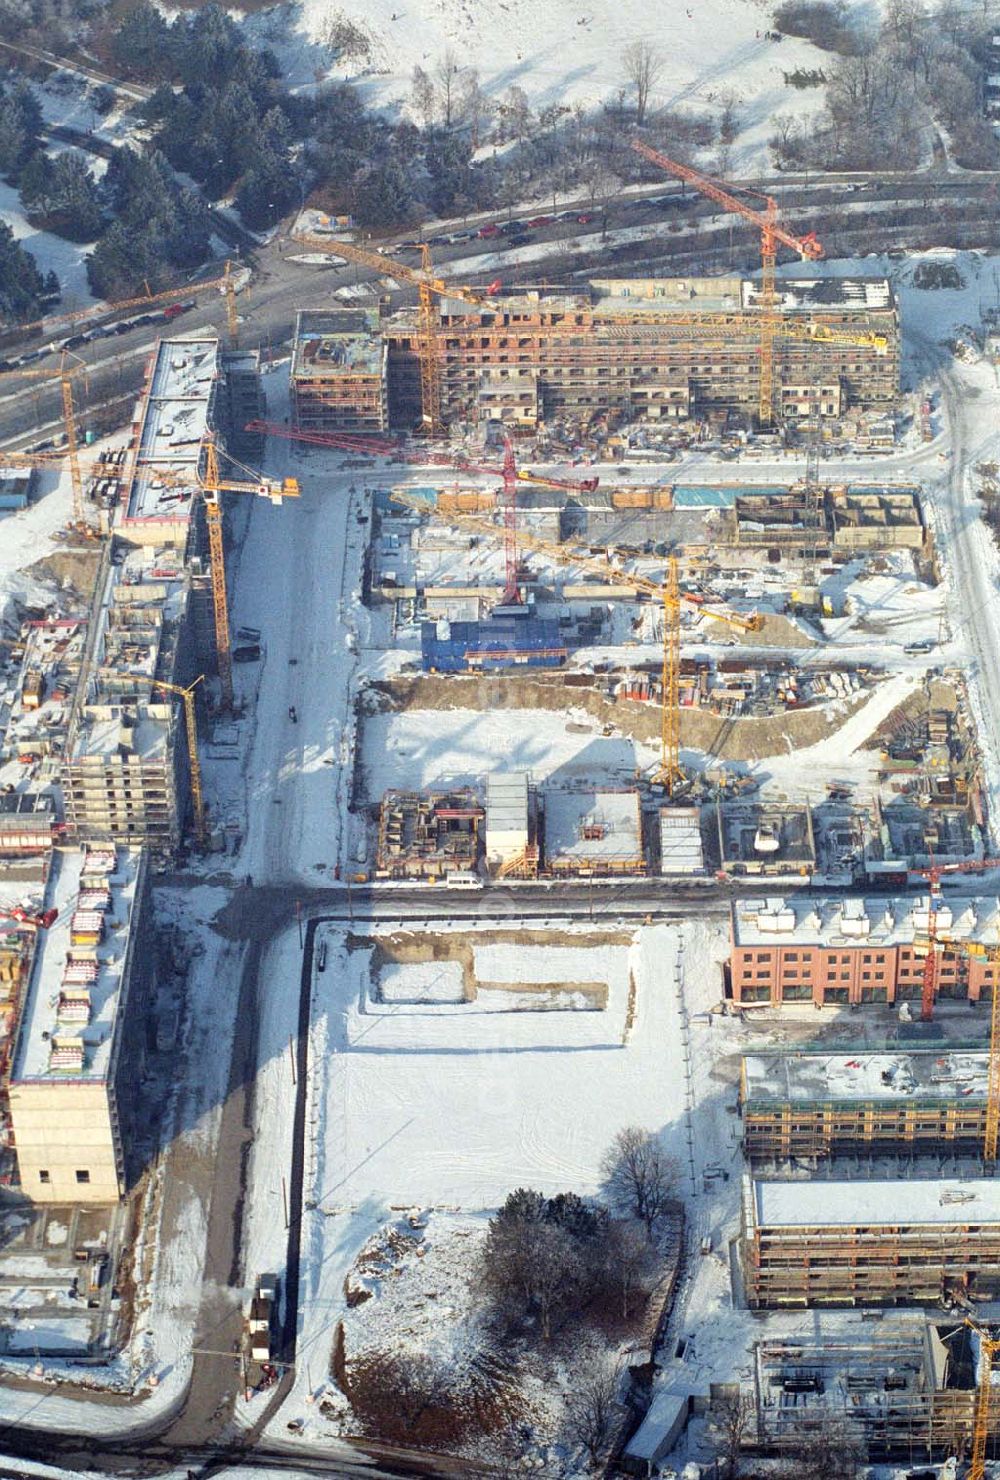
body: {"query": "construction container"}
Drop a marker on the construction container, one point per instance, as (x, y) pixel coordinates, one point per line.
(496, 643)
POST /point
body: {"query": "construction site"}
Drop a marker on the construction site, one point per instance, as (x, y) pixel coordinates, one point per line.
(629, 604)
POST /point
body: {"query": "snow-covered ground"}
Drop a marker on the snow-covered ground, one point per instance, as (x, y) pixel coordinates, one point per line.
(68, 260)
(560, 53)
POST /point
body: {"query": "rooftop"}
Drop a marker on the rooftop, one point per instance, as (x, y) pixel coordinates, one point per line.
(338, 342)
(882, 920)
(71, 1006)
(592, 825)
(881, 1203)
(810, 1078)
(175, 415)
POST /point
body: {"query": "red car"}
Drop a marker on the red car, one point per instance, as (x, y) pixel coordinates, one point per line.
(174, 310)
(490, 229)
(541, 221)
(584, 220)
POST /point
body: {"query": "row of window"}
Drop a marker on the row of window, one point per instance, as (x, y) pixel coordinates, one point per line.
(82, 1176)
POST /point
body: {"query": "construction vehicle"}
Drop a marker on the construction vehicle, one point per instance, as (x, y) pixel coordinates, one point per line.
(23, 916)
(430, 288)
(769, 324)
(187, 697)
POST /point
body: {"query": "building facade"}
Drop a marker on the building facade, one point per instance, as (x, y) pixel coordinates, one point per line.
(77, 1064)
(852, 951)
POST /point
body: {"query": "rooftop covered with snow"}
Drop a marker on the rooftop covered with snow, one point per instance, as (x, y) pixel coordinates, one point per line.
(879, 1203)
(71, 1007)
(175, 415)
(856, 921)
(589, 828)
(809, 1078)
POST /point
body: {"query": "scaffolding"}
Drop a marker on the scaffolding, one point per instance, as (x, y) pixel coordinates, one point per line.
(815, 1106)
(427, 835)
(839, 1247)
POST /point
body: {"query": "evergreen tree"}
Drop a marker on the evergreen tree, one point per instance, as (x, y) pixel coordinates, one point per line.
(21, 284)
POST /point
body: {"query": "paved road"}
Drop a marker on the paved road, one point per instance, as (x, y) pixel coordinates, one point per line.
(281, 286)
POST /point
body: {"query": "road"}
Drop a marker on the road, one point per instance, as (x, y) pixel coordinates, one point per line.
(281, 286)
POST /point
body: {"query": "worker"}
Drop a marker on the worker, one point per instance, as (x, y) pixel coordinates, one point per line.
(292, 714)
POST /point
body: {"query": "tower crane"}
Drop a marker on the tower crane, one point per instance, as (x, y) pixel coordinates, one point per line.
(989, 1347)
(211, 483)
(187, 697)
(375, 446)
(226, 285)
(430, 287)
(65, 374)
(933, 874)
(772, 233)
(667, 593)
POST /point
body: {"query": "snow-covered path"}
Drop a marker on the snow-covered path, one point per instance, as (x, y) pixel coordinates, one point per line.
(968, 553)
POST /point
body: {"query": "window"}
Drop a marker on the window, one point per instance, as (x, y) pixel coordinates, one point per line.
(43, 1176)
(82, 1176)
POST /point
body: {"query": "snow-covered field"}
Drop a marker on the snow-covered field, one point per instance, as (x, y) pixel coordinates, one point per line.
(559, 53)
(459, 747)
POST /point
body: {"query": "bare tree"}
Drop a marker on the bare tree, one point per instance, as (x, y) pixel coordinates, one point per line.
(423, 97)
(732, 1419)
(833, 1454)
(629, 1259)
(643, 65)
(448, 73)
(556, 1273)
(593, 1408)
(639, 1176)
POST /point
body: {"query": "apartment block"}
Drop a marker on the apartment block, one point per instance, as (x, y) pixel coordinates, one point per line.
(858, 1242)
(832, 951)
(125, 770)
(338, 377)
(644, 350)
(918, 1102)
(77, 1061)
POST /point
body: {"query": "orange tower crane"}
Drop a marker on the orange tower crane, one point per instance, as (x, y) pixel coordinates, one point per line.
(989, 1347)
(211, 483)
(771, 234)
(65, 374)
(430, 287)
(226, 285)
(933, 875)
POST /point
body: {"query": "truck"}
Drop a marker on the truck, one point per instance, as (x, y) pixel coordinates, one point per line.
(263, 1307)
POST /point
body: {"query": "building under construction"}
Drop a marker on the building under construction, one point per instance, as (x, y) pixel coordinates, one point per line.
(338, 378)
(619, 350)
(427, 835)
(879, 1242)
(901, 1388)
(802, 1104)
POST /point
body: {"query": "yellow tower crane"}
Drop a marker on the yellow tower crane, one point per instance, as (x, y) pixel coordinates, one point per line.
(187, 697)
(989, 1346)
(65, 374)
(226, 285)
(211, 483)
(430, 287)
(771, 234)
(668, 593)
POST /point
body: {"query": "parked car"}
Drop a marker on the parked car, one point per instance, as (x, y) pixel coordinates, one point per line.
(490, 229)
(75, 340)
(174, 310)
(540, 221)
(584, 219)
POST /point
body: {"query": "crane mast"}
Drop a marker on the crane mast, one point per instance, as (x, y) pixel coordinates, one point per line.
(771, 234)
